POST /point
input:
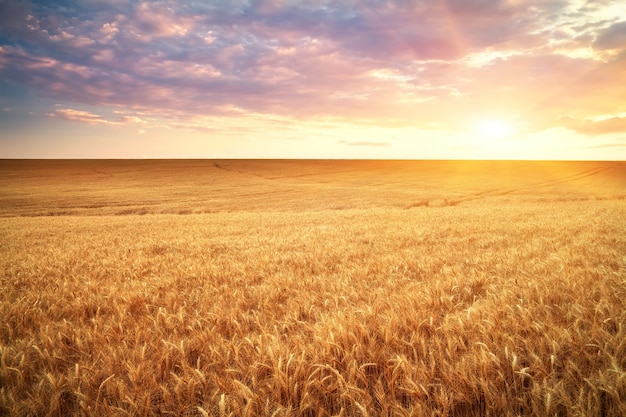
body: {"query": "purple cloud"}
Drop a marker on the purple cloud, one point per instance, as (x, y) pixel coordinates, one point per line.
(614, 37)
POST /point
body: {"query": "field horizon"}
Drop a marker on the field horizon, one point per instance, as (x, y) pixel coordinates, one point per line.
(312, 288)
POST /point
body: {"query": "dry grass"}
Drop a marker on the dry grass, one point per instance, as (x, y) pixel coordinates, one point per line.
(312, 289)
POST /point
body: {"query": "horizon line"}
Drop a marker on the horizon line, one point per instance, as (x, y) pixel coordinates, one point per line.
(310, 159)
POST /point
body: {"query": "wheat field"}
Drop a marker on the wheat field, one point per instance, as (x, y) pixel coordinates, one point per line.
(312, 288)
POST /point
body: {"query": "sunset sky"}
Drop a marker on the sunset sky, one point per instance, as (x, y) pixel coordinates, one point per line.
(423, 79)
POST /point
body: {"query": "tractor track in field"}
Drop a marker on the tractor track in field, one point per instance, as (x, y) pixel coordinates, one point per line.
(497, 192)
(500, 192)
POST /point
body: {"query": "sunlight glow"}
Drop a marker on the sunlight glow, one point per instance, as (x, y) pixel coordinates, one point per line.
(494, 129)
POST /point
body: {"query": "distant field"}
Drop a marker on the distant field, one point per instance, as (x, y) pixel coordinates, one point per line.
(312, 288)
(118, 187)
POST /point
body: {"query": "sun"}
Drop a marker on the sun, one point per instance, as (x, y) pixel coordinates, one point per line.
(494, 129)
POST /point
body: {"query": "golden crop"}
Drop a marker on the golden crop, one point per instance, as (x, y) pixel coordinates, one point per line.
(312, 288)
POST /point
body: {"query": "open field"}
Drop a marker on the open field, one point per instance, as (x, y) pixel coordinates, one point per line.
(312, 288)
(122, 187)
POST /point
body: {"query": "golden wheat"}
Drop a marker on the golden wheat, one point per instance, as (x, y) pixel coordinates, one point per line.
(491, 307)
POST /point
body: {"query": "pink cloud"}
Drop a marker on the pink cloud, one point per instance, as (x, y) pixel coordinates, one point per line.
(80, 116)
(87, 117)
(158, 20)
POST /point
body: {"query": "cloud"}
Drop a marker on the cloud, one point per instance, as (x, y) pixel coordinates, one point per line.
(379, 62)
(598, 127)
(80, 116)
(614, 37)
(87, 117)
(133, 119)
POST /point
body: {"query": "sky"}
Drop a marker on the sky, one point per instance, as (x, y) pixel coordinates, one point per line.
(421, 79)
